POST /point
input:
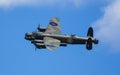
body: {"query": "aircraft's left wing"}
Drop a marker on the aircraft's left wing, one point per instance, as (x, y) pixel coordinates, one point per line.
(51, 43)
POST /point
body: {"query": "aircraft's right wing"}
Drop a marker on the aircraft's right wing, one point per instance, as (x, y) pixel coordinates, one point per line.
(52, 29)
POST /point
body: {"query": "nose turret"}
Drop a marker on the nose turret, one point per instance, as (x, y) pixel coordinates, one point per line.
(29, 36)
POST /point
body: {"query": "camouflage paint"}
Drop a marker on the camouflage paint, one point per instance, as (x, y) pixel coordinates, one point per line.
(53, 28)
(51, 43)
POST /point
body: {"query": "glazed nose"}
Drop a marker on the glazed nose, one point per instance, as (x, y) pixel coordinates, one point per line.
(28, 36)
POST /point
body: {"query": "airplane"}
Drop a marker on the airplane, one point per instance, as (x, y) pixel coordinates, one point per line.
(51, 37)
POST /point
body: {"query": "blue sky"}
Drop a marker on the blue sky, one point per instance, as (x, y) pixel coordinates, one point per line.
(18, 56)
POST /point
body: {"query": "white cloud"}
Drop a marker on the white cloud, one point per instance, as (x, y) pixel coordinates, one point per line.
(108, 26)
(12, 3)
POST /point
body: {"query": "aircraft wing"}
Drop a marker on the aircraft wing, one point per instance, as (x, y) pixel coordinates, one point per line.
(52, 29)
(51, 43)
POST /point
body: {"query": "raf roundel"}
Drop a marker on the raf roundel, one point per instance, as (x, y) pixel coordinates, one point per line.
(53, 24)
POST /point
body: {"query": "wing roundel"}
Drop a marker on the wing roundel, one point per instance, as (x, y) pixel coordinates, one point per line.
(54, 27)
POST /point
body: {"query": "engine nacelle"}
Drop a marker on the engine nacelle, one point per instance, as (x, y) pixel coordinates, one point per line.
(38, 41)
(41, 29)
(29, 36)
(39, 45)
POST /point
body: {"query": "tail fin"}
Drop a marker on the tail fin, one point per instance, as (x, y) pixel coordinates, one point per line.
(90, 32)
(89, 43)
(54, 27)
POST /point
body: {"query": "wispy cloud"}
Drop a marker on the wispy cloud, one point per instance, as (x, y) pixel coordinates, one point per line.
(13, 3)
(108, 26)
